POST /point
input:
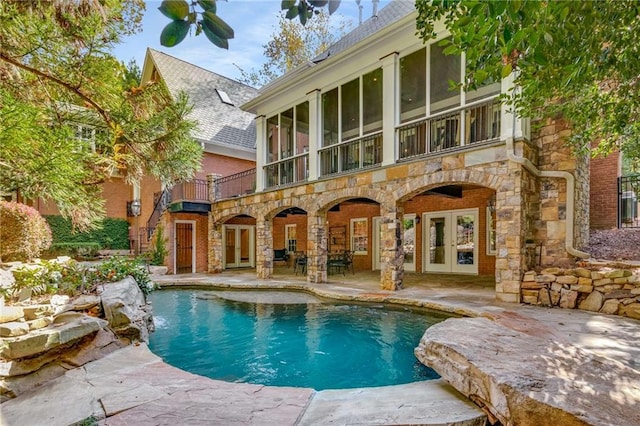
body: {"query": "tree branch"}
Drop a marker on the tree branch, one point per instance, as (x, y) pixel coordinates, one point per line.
(103, 113)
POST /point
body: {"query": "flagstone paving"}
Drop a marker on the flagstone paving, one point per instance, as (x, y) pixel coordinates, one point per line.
(134, 387)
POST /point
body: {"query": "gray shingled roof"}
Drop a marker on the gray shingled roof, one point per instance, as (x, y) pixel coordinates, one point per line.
(389, 14)
(218, 123)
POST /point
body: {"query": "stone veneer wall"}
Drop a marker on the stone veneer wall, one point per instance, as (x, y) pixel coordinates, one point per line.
(555, 154)
(609, 291)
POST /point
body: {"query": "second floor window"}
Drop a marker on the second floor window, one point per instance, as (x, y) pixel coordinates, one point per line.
(288, 133)
(287, 146)
(353, 109)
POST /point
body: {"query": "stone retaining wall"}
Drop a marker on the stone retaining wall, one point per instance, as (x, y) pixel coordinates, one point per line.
(609, 291)
(40, 341)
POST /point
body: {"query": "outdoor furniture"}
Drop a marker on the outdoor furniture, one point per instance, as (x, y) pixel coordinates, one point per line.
(280, 255)
(300, 263)
(340, 262)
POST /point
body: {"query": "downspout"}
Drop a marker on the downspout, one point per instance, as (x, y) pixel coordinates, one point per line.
(570, 194)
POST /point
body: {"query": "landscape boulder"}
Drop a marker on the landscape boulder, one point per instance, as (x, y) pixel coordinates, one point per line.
(126, 309)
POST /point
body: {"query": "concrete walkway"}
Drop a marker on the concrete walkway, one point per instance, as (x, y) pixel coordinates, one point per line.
(134, 387)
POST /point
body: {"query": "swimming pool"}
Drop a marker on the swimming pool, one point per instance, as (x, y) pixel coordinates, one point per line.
(303, 343)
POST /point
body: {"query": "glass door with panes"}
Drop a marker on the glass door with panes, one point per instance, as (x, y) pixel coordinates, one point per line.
(239, 246)
(450, 241)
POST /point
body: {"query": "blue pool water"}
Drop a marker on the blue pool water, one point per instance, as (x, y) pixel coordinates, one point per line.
(316, 345)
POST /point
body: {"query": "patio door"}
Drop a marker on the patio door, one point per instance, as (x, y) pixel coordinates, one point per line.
(184, 244)
(376, 260)
(409, 242)
(239, 246)
(450, 241)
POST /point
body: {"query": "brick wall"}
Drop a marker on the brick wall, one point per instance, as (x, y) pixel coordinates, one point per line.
(604, 191)
(201, 229)
(222, 165)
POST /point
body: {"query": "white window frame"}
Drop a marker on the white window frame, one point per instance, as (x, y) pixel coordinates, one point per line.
(287, 230)
(490, 230)
(352, 235)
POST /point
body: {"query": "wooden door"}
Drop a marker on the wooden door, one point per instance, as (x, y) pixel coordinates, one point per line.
(184, 248)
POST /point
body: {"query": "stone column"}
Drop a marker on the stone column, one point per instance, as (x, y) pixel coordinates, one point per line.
(264, 248)
(391, 239)
(317, 239)
(213, 186)
(214, 247)
(510, 233)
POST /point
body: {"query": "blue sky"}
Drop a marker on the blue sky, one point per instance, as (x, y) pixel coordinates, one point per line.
(252, 20)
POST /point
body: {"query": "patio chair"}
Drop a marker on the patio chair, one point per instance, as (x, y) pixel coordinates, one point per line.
(348, 260)
(300, 263)
(280, 255)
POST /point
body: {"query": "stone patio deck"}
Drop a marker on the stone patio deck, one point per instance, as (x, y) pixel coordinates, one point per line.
(132, 386)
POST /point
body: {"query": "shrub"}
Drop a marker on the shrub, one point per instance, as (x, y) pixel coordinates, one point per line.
(84, 250)
(117, 268)
(49, 276)
(111, 233)
(23, 232)
(159, 251)
(69, 277)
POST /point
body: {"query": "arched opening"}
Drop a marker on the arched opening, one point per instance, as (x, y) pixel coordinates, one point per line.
(450, 228)
(239, 242)
(289, 241)
(353, 226)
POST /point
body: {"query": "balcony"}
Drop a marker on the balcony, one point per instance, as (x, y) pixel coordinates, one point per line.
(190, 197)
(352, 155)
(287, 172)
(235, 185)
(474, 124)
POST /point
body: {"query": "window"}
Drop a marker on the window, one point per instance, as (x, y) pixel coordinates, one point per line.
(356, 106)
(444, 69)
(330, 117)
(372, 101)
(86, 134)
(350, 94)
(359, 236)
(287, 144)
(491, 231)
(224, 97)
(291, 241)
(413, 85)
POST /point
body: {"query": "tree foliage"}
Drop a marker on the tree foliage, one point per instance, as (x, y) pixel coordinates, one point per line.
(573, 59)
(293, 44)
(69, 115)
(202, 14)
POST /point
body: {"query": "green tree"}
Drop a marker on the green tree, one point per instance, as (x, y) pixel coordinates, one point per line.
(293, 44)
(575, 59)
(202, 14)
(57, 79)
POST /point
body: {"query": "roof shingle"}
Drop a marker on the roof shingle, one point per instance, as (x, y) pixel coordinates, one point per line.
(219, 123)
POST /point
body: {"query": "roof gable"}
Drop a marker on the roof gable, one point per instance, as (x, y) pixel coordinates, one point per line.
(219, 123)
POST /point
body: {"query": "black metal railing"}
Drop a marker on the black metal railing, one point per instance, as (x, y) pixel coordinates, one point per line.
(235, 185)
(464, 126)
(162, 200)
(193, 190)
(351, 155)
(286, 172)
(628, 206)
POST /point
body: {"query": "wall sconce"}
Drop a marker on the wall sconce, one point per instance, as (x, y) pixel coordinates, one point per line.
(135, 207)
(417, 219)
(491, 204)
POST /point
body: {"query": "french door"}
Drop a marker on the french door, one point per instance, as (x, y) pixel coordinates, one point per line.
(450, 241)
(184, 244)
(408, 229)
(239, 246)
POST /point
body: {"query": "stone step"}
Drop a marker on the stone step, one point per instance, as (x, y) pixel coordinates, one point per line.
(431, 402)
